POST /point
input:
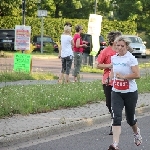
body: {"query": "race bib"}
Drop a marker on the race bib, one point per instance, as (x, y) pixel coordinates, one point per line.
(121, 84)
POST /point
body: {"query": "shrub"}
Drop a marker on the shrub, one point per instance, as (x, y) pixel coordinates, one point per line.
(48, 48)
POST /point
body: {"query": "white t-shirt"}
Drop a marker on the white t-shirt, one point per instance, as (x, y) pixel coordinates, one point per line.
(122, 65)
(66, 47)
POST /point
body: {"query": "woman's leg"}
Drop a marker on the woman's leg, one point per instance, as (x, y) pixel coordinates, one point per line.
(77, 64)
(63, 69)
(130, 105)
(107, 91)
(68, 67)
(117, 104)
(74, 73)
(130, 100)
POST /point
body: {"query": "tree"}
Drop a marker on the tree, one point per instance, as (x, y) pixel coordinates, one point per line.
(10, 7)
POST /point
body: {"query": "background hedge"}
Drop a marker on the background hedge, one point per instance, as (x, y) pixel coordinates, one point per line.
(54, 27)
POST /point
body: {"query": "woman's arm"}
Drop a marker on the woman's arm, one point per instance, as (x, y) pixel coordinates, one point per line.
(111, 75)
(134, 75)
(78, 44)
(104, 66)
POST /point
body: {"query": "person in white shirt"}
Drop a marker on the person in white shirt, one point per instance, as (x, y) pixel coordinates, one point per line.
(124, 91)
(66, 53)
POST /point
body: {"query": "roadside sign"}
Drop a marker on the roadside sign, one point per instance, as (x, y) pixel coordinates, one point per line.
(22, 62)
(22, 37)
(42, 13)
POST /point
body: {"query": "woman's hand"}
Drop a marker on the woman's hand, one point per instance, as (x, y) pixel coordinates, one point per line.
(59, 56)
(120, 76)
(84, 45)
(107, 81)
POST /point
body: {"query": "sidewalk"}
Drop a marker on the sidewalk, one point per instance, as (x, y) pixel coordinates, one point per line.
(24, 128)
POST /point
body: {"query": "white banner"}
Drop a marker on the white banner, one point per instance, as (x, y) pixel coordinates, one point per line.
(22, 37)
(94, 24)
(94, 28)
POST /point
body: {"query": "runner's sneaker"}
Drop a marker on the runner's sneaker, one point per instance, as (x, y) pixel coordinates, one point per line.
(138, 138)
(111, 147)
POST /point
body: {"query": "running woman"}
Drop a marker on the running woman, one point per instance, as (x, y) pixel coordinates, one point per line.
(124, 92)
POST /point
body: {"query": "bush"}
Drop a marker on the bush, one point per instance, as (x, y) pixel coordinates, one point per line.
(54, 27)
(48, 48)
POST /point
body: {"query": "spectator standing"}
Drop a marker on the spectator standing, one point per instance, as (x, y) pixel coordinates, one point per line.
(78, 51)
(66, 53)
(124, 92)
(104, 62)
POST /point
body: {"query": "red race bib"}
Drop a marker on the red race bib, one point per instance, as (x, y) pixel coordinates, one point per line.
(121, 84)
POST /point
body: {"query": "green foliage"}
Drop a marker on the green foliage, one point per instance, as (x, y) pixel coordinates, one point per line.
(48, 48)
(54, 27)
(145, 37)
(134, 10)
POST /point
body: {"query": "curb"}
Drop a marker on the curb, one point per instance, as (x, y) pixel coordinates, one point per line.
(26, 136)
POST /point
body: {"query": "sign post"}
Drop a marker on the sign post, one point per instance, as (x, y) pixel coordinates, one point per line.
(42, 13)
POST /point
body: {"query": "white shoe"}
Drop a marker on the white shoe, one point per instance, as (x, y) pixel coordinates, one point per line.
(138, 138)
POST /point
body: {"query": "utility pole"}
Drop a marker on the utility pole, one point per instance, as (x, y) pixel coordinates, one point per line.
(23, 14)
(23, 11)
(41, 34)
(95, 6)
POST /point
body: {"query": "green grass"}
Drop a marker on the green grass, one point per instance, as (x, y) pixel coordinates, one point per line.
(43, 98)
(31, 99)
(144, 65)
(90, 69)
(6, 76)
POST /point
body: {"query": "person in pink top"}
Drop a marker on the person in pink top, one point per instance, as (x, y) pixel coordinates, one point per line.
(78, 48)
(104, 62)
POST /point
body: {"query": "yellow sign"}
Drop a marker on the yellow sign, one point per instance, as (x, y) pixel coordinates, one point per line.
(22, 62)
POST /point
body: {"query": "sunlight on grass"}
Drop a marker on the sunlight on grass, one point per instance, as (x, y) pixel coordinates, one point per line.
(40, 98)
(43, 76)
(6, 76)
(144, 65)
(90, 69)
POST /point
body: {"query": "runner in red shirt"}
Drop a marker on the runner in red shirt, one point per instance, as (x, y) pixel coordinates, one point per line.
(104, 62)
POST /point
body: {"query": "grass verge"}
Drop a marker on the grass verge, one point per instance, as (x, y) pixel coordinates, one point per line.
(6, 76)
(41, 98)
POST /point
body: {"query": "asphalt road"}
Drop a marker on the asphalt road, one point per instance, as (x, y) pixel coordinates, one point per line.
(92, 138)
(48, 64)
(45, 64)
